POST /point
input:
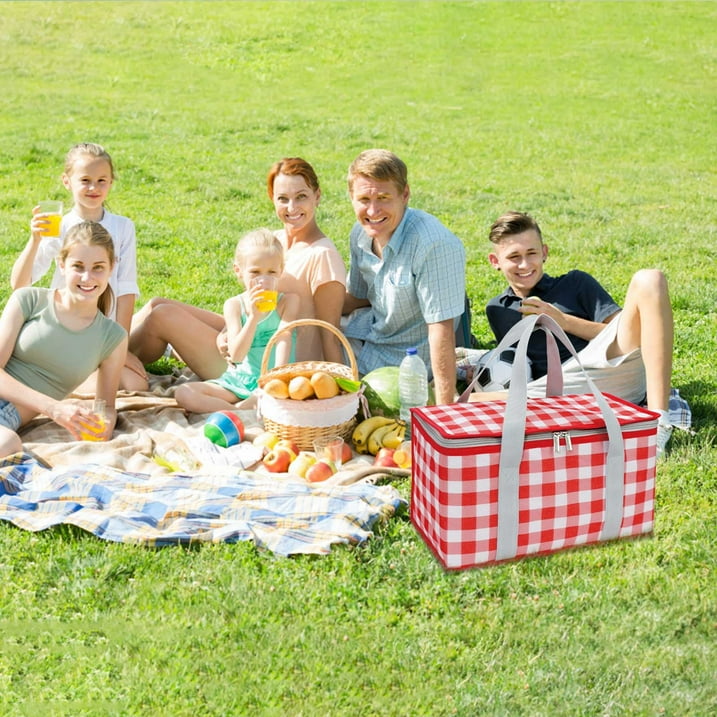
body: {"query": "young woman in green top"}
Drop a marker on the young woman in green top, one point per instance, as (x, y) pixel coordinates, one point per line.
(51, 340)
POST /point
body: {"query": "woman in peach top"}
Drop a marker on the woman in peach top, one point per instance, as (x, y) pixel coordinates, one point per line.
(313, 269)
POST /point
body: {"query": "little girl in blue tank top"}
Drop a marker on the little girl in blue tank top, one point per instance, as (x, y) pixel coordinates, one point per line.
(252, 318)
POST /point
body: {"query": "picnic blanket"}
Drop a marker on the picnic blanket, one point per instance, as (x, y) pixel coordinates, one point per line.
(123, 491)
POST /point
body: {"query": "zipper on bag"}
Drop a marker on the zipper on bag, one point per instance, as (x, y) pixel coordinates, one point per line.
(561, 440)
(557, 447)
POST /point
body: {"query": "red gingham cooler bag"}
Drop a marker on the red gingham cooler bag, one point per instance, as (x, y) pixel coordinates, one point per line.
(558, 472)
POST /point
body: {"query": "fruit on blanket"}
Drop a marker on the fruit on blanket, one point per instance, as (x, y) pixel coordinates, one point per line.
(300, 388)
(346, 453)
(278, 460)
(394, 437)
(224, 428)
(402, 456)
(375, 440)
(289, 445)
(324, 385)
(389, 436)
(385, 458)
(373, 434)
(320, 471)
(363, 431)
(301, 464)
(276, 388)
(266, 440)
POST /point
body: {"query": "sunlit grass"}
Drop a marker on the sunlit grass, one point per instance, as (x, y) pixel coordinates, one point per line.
(596, 117)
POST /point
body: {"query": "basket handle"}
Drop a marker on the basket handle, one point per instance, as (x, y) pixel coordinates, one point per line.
(310, 322)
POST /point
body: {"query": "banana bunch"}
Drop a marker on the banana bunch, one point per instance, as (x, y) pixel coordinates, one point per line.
(373, 434)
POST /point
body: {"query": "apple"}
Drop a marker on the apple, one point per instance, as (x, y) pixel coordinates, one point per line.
(320, 471)
(266, 440)
(346, 453)
(278, 460)
(302, 463)
(289, 444)
(385, 458)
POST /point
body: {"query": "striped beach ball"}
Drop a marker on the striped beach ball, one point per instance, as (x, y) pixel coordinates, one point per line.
(224, 428)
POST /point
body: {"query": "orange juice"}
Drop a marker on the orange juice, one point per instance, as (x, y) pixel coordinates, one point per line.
(53, 229)
(53, 210)
(91, 433)
(267, 300)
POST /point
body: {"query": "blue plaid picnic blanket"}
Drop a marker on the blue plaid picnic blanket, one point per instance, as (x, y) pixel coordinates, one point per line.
(285, 517)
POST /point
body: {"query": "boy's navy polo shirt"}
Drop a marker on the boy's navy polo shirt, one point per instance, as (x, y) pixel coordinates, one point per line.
(576, 293)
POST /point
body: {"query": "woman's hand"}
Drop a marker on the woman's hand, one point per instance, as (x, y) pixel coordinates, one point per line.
(75, 417)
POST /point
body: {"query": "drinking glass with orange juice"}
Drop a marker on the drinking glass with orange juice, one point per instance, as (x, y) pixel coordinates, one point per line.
(53, 211)
(268, 297)
(95, 433)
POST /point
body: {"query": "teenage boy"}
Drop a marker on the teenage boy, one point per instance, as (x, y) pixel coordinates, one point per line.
(627, 352)
(407, 273)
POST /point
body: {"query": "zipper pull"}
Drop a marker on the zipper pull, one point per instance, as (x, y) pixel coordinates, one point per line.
(557, 446)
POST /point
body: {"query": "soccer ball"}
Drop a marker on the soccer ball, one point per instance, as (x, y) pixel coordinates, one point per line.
(494, 370)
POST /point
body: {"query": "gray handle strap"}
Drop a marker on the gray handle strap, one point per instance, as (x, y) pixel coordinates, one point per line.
(554, 383)
(513, 439)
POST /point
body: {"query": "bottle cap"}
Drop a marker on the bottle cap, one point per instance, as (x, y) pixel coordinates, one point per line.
(412, 351)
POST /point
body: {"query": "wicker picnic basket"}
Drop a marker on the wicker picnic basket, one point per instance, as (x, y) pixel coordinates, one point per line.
(306, 421)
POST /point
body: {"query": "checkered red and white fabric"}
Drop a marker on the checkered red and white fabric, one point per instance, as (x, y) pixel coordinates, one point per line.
(561, 490)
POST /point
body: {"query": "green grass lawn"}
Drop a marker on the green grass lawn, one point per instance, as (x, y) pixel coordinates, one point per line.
(598, 118)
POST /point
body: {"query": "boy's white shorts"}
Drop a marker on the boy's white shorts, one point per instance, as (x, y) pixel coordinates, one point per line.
(623, 376)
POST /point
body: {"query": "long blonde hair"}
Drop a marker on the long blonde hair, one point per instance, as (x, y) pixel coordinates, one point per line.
(92, 234)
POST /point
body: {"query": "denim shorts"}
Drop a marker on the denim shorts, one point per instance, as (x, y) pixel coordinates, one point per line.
(9, 417)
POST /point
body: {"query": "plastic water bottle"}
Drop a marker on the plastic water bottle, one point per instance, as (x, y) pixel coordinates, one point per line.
(412, 385)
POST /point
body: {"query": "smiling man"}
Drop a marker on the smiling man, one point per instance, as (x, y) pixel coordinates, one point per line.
(407, 275)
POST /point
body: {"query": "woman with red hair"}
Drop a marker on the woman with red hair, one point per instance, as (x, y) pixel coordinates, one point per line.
(313, 269)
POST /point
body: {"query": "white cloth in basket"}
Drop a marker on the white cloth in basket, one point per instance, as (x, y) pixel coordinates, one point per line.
(313, 413)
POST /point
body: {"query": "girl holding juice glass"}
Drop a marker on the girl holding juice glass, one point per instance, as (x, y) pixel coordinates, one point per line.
(314, 270)
(251, 319)
(88, 176)
(51, 340)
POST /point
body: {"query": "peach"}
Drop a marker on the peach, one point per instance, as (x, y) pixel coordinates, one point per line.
(276, 388)
(324, 385)
(300, 388)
